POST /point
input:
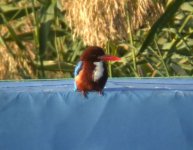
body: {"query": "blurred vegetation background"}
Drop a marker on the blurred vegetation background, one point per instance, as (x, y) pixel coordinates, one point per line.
(44, 38)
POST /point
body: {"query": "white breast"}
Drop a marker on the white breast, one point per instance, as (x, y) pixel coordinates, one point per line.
(98, 71)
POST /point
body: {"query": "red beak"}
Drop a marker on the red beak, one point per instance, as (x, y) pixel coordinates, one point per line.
(109, 58)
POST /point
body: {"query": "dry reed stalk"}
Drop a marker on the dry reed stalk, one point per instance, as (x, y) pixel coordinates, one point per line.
(15, 66)
(99, 21)
(14, 62)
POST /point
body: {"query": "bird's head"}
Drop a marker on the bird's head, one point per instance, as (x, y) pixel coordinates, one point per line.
(95, 54)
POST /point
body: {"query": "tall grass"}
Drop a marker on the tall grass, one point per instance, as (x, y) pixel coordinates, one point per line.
(39, 42)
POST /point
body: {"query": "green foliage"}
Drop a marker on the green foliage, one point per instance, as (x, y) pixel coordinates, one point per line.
(54, 46)
(164, 50)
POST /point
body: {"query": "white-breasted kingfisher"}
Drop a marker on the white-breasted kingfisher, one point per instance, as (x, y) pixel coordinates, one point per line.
(91, 71)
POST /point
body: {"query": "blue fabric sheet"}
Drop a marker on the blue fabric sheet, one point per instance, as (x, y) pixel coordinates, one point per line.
(133, 114)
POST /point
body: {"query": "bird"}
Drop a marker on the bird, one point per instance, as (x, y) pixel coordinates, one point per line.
(91, 71)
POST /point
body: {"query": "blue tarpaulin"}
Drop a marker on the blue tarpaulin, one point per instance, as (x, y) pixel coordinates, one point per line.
(133, 114)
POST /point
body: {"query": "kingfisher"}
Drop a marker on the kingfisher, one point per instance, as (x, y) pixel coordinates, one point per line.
(91, 71)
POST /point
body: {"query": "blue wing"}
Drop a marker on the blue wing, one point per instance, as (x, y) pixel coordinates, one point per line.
(76, 72)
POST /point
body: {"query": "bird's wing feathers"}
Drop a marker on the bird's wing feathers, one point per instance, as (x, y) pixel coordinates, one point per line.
(77, 68)
(76, 72)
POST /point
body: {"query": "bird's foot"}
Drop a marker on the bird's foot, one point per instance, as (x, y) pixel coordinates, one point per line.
(84, 93)
(101, 93)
